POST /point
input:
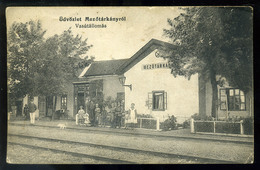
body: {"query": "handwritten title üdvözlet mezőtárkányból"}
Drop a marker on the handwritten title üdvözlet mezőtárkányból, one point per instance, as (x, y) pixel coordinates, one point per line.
(115, 19)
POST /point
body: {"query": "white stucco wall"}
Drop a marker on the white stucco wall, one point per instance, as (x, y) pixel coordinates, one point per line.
(182, 94)
(111, 86)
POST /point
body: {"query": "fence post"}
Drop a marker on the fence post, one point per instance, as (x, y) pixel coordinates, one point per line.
(241, 127)
(141, 122)
(157, 124)
(192, 126)
(214, 126)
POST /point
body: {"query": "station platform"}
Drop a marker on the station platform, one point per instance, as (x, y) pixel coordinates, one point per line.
(180, 133)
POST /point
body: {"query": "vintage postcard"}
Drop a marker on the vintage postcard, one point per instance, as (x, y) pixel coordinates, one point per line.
(130, 85)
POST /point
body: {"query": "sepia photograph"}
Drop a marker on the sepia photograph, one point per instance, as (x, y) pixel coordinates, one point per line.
(130, 85)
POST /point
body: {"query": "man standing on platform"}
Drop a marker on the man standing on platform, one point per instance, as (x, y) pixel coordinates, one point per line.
(32, 109)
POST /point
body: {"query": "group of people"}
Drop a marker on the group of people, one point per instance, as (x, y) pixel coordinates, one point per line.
(113, 115)
(92, 117)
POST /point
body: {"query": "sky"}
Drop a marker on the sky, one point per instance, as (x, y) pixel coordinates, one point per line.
(118, 40)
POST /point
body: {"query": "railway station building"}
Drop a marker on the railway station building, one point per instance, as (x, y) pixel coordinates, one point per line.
(146, 80)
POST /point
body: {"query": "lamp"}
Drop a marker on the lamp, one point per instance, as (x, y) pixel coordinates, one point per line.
(122, 82)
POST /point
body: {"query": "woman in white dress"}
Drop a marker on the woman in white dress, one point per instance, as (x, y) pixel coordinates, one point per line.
(131, 118)
(82, 116)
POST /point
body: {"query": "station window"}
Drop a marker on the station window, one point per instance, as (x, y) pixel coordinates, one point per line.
(234, 98)
(64, 101)
(157, 100)
(223, 99)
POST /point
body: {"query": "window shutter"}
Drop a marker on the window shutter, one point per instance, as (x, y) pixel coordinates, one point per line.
(165, 100)
(150, 100)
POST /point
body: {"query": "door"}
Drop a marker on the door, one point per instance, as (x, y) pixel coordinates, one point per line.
(81, 101)
(81, 91)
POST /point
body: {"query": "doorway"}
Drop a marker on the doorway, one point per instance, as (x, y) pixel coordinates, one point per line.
(81, 101)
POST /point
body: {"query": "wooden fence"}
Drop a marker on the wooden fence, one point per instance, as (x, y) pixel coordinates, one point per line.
(217, 127)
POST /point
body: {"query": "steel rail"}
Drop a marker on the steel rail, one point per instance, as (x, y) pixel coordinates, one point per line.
(75, 154)
(132, 150)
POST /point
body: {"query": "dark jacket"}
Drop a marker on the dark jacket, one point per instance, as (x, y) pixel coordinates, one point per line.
(32, 107)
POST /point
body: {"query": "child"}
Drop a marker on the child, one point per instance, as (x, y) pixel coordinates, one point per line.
(86, 117)
(80, 115)
(131, 118)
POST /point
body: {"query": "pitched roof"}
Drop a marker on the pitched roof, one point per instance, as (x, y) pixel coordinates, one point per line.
(117, 67)
(143, 52)
(107, 67)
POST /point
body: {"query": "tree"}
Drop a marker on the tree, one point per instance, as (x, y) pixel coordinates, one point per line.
(212, 41)
(60, 62)
(24, 41)
(39, 66)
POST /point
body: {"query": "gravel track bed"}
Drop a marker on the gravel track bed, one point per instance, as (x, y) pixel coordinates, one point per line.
(215, 150)
(22, 155)
(99, 151)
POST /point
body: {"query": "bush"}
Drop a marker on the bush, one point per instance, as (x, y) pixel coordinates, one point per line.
(186, 124)
(169, 124)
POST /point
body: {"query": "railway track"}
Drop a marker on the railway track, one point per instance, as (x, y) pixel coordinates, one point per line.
(106, 153)
(75, 154)
(127, 133)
